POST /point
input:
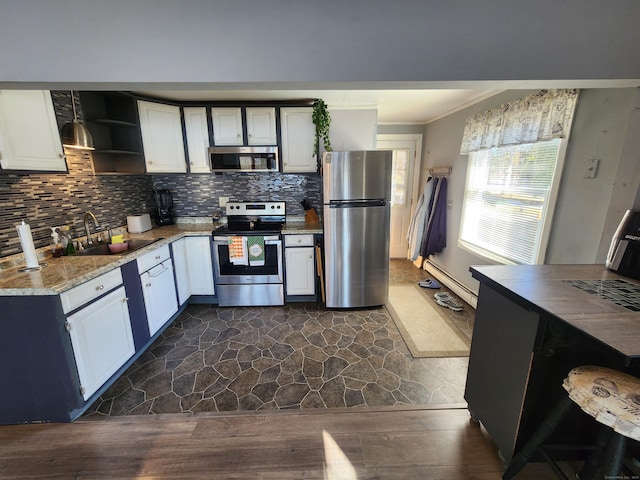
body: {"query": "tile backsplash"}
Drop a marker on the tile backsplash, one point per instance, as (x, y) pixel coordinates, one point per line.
(196, 195)
(48, 200)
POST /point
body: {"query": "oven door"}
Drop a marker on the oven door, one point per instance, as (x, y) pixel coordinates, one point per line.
(227, 273)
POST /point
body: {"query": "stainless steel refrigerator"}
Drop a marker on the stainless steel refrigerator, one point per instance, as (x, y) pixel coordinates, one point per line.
(357, 192)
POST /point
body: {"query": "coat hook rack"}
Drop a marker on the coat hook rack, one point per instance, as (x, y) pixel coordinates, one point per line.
(442, 171)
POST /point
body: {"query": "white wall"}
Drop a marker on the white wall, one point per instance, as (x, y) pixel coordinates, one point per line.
(200, 43)
(353, 129)
(588, 210)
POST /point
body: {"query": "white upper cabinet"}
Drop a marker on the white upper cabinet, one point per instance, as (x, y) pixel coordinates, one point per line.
(227, 126)
(195, 120)
(261, 126)
(298, 133)
(29, 137)
(161, 128)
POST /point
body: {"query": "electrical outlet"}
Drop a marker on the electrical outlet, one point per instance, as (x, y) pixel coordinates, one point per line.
(222, 201)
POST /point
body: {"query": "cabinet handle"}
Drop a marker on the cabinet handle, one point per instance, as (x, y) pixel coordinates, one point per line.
(148, 285)
(99, 287)
(299, 240)
(157, 257)
(125, 299)
(311, 256)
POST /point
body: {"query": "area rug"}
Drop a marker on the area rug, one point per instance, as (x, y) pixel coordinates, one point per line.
(426, 331)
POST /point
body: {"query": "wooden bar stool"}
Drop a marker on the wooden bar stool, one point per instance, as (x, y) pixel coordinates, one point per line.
(609, 396)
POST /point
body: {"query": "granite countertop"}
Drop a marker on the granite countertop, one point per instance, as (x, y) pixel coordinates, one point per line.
(63, 273)
(586, 297)
(301, 227)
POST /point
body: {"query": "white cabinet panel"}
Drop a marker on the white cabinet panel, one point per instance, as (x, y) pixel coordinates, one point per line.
(181, 266)
(84, 293)
(200, 265)
(159, 291)
(162, 140)
(298, 134)
(261, 126)
(227, 126)
(102, 340)
(194, 270)
(195, 120)
(300, 270)
(29, 137)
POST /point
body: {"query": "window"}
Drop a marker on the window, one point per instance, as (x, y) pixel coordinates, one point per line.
(400, 177)
(509, 197)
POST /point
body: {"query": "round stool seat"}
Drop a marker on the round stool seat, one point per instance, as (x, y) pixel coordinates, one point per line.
(609, 396)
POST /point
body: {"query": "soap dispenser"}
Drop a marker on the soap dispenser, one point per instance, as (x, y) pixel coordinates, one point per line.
(56, 246)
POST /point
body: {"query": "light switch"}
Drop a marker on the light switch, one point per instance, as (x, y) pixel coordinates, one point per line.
(592, 168)
(222, 201)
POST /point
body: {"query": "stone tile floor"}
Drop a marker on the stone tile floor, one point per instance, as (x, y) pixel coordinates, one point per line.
(296, 356)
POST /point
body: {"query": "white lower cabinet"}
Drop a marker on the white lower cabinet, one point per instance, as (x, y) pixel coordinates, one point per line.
(159, 291)
(300, 265)
(194, 269)
(102, 339)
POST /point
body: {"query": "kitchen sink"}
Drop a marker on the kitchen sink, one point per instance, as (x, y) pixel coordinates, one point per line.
(103, 248)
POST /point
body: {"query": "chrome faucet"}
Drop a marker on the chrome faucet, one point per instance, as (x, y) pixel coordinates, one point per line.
(90, 216)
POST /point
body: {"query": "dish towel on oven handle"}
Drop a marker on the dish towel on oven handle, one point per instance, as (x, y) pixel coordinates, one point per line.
(255, 246)
(238, 250)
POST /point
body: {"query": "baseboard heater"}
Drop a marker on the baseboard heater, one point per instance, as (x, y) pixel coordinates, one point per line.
(455, 285)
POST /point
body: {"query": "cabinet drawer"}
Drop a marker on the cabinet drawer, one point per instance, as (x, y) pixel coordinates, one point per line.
(298, 240)
(77, 296)
(151, 259)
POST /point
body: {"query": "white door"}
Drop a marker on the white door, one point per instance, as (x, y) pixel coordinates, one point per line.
(195, 120)
(261, 126)
(227, 126)
(161, 129)
(102, 340)
(407, 154)
(159, 291)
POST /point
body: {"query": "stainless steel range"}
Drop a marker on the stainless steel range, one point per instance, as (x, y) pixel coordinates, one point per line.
(248, 265)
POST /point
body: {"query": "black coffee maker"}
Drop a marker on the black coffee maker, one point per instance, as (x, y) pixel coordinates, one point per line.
(164, 202)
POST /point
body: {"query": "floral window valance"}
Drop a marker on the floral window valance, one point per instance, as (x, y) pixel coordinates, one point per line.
(538, 117)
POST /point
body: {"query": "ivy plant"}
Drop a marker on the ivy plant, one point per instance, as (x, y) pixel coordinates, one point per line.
(322, 121)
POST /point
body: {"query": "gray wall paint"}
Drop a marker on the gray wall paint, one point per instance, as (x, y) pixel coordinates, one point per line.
(586, 214)
(254, 41)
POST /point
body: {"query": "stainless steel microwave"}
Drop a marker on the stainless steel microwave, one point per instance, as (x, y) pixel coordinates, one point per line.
(244, 159)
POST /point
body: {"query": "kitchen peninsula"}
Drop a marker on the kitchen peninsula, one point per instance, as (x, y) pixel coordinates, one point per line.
(533, 325)
(68, 331)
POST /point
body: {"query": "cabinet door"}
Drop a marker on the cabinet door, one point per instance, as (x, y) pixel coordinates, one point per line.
(195, 120)
(159, 291)
(102, 340)
(261, 126)
(181, 266)
(200, 265)
(227, 126)
(29, 137)
(162, 140)
(298, 133)
(300, 271)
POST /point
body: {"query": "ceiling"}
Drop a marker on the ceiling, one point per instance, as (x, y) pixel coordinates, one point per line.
(417, 106)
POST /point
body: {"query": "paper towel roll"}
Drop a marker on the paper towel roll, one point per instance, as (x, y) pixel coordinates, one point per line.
(26, 240)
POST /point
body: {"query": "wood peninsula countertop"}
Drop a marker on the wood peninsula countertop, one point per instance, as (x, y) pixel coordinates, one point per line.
(547, 289)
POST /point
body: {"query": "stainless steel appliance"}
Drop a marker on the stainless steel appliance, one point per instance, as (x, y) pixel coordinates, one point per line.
(357, 191)
(244, 159)
(250, 285)
(624, 252)
(164, 202)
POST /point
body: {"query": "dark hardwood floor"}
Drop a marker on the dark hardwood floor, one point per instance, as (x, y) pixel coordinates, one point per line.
(333, 444)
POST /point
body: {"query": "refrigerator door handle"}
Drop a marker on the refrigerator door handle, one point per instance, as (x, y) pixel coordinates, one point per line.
(377, 202)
